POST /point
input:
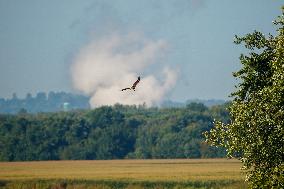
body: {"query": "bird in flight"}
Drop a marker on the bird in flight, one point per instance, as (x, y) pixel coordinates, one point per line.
(133, 86)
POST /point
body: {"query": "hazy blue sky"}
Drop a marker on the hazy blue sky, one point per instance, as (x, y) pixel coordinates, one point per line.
(39, 39)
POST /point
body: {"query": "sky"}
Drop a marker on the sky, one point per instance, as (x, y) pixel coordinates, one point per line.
(181, 49)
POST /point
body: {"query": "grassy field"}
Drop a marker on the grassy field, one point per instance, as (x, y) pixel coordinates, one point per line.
(176, 173)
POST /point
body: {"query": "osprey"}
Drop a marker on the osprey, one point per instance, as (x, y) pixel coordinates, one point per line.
(133, 86)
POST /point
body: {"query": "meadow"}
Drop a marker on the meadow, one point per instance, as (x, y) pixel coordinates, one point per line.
(169, 173)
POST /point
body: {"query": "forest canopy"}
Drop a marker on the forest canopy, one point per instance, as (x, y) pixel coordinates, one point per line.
(111, 132)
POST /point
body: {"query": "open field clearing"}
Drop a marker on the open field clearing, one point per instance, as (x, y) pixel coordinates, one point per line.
(151, 171)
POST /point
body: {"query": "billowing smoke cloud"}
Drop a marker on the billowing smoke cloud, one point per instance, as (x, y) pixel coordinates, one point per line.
(105, 66)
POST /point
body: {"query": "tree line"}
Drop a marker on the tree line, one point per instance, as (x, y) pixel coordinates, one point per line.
(43, 102)
(111, 132)
(62, 101)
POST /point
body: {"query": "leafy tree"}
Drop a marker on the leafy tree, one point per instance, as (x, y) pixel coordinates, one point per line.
(256, 132)
(199, 107)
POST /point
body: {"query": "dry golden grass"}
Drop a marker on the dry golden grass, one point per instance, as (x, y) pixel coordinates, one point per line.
(138, 170)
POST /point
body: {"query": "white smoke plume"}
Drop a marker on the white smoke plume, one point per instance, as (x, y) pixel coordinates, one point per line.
(105, 66)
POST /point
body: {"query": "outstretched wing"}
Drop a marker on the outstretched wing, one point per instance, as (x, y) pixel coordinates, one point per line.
(126, 89)
(136, 82)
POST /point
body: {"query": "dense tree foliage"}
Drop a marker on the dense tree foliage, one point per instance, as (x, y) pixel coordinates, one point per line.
(110, 133)
(42, 102)
(256, 133)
